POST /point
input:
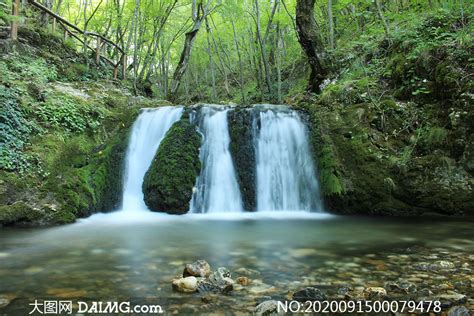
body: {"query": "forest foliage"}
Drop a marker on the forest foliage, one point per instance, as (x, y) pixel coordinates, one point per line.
(246, 51)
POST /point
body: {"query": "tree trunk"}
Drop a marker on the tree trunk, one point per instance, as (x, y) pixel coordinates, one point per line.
(211, 62)
(310, 43)
(263, 50)
(331, 25)
(199, 13)
(240, 62)
(382, 18)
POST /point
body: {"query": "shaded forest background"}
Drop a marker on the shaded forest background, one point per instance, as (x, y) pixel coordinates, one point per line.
(247, 51)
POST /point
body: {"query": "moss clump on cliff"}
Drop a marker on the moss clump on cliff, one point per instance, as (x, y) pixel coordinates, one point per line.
(168, 183)
(243, 154)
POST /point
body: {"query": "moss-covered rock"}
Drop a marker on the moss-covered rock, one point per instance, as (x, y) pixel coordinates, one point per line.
(243, 153)
(377, 159)
(168, 183)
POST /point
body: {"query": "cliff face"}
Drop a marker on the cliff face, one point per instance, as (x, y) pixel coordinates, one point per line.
(393, 133)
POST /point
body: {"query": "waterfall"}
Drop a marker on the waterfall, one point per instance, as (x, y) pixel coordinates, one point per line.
(286, 177)
(216, 189)
(147, 132)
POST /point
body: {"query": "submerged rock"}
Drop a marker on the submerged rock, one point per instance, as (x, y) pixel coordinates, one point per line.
(6, 299)
(309, 294)
(266, 307)
(218, 281)
(374, 292)
(243, 281)
(186, 285)
(458, 311)
(401, 286)
(197, 277)
(198, 268)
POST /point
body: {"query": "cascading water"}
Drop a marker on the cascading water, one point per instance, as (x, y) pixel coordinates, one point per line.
(147, 132)
(216, 189)
(286, 177)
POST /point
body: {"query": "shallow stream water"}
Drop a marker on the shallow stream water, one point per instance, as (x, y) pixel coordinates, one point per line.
(119, 257)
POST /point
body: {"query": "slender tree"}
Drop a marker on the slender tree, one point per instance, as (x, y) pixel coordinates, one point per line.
(310, 42)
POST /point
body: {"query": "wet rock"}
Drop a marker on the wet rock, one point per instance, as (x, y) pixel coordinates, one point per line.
(374, 292)
(344, 290)
(451, 298)
(206, 287)
(259, 288)
(218, 281)
(424, 292)
(442, 265)
(309, 294)
(67, 293)
(243, 281)
(459, 311)
(355, 294)
(302, 252)
(186, 285)
(247, 272)
(266, 307)
(401, 286)
(209, 298)
(198, 268)
(6, 299)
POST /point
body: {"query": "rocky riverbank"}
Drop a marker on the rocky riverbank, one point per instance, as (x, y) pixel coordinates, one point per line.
(414, 274)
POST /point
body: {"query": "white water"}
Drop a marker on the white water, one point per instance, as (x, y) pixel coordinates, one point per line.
(147, 133)
(216, 189)
(286, 176)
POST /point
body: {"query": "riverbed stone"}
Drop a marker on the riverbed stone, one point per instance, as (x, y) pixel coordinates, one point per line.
(199, 268)
(309, 294)
(186, 285)
(458, 311)
(266, 307)
(374, 292)
(6, 299)
(243, 281)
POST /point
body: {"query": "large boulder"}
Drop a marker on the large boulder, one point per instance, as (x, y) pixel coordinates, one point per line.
(168, 183)
(242, 147)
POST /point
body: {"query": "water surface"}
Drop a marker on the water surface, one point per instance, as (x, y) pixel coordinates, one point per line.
(118, 256)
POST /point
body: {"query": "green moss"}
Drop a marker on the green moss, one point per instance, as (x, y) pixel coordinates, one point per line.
(18, 212)
(329, 169)
(168, 183)
(243, 154)
(436, 136)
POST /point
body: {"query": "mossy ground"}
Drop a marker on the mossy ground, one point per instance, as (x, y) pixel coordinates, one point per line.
(65, 132)
(168, 183)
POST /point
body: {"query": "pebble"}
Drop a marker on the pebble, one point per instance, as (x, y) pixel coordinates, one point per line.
(198, 268)
(373, 292)
(67, 293)
(6, 299)
(458, 311)
(303, 252)
(262, 289)
(243, 281)
(186, 285)
(309, 294)
(33, 270)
